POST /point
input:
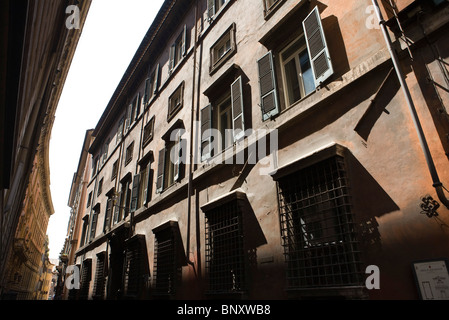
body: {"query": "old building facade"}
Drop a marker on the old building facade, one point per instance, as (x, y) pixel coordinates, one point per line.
(266, 150)
(37, 48)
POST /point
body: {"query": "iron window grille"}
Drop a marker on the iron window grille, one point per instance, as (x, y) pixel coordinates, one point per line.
(100, 277)
(136, 267)
(225, 258)
(319, 240)
(86, 275)
(166, 272)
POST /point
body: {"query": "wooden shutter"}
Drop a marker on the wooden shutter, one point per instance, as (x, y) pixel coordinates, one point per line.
(108, 216)
(171, 63)
(317, 47)
(267, 83)
(147, 93)
(206, 124)
(210, 8)
(138, 103)
(135, 193)
(147, 191)
(86, 275)
(184, 41)
(177, 158)
(120, 131)
(93, 225)
(117, 208)
(238, 121)
(160, 171)
(100, 275)
(156, 79)
(128, 117)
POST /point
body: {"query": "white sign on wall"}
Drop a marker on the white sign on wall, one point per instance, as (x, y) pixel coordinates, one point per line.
(432, 279)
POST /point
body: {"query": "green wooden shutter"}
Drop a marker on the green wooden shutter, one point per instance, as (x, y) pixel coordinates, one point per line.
(156, 78)
(160, 172)
(93, 225)
(267, 84)
(177, 158)
(171, 60)
(317, 47)
(147, 94)
(117, 208)
(238, 121)
(184, 41)
(108, 216)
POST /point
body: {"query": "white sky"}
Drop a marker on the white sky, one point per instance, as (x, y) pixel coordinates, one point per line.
(111, 35)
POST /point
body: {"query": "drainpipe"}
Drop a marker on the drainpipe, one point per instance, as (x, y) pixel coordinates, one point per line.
(190, 187)
(422, 139)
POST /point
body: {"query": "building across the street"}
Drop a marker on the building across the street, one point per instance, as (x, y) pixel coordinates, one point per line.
(272, 149)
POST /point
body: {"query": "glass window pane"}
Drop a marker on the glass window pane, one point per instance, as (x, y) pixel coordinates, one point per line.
(291, 75)
(307, 74)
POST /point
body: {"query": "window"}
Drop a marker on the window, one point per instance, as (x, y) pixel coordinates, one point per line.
(305, 65)
(152, 85)
(148, 132)
(178, 50)
(109, 209)
(170, 167)
(100, 187)
(89, 199)
(222, 49)
(132, 112)
(214, 6)
(136, 267)
(100, 277)
(129, 153)
(94, 166)
(114, 170)
(104, 155)
(93, 222)
(270, 6)
(146, 178)
(122, 206)
(317, 226)
(120, 131)
(167, 267)
(225, 263)
(226, 115)
(86, 275)
(175, 102)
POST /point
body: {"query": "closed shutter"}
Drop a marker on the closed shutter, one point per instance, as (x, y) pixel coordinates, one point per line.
(156, 78)
(206, 139)
(210, 8)
(238, 121)
(317, 47)
(160, 171)
(171, 63)
(128, 117)
(120, 131)
(86, 275)
(138, 103)
(267, 83)
(135, 193)
(184, 41)
(136, 267)
(107, 219)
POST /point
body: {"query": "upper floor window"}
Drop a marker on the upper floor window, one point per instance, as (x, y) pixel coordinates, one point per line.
(148, 132)
(129, 153)
(270, 6)
(152, 85)
(214, 6)
(176, 101)
(305, 65)
(223, 48)
(132, 113)
(178, 49)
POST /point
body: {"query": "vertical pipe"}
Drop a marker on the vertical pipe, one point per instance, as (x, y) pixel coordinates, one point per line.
(422, 139)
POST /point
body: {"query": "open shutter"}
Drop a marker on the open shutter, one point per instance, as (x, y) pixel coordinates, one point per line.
(184, 41)
(156, 79)
(147, 93)
(120, 131)
(128, 117)
(160, 172)
(317, 47)
(177, 157)
(117, 208)
(267, 83)
(93, 225)
(206, 139)
(171, 63)
(238, 121)
(135, 193)
(108, 216)
(210, 8)
(138, 103)
(147, 191)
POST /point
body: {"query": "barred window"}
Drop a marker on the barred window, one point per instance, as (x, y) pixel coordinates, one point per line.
(136, 267)
(100, 277)
(86, 275)
(166, 272)
(317, 227)
(225, 261)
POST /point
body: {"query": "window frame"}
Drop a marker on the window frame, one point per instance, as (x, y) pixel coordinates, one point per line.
(148, 137)
(228, 35)
(129, 153)
(173, 111)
